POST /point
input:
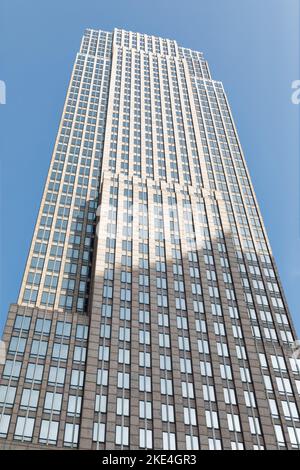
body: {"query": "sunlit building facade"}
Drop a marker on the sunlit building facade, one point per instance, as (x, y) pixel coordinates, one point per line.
(151, 314)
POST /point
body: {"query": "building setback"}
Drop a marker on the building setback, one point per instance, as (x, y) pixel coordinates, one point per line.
(151, 314)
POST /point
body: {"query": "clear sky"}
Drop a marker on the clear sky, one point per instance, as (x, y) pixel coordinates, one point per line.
(251, 45)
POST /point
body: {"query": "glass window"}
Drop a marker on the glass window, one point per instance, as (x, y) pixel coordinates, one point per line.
(24, 428)
(77, 378)
(122, 435)
(294, 435)
(48, 432)
(192, 442)
(279, 434)
(71, 435)
(34, 373)
(190, 416)
(169, 441)
(17, 345)
(7, 395)
(145, 441)
(53, 402)
(101, 403)
(123, 406)
(167, 413)
(211, 419)
(12, 369)
(102, 377)
(123, 380)
(74, 405)
(103, 353)
(29, 399)
(233, 422)
(82, 332)
(79, 354)
(145, 409)
(22, 323)
(57, 376)
(42, 326)
(4, 425)
(38, 348)
(60, 351)
(63, 329)
(99, 432)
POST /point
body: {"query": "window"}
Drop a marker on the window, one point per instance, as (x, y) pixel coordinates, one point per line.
(29, 399)
(144, 337)
(17, 345)
(71, 435)
(205, 369)
(24, 428)
(185, 366)
(56, 376)
(167, 413)
(145, 409)
(38, 348)
(166, 387)
(4, 425)
(203, 347)
(273, 407)
(122, 435)
(290, 410)
(254, 425)
(237, 446)
(190, 416)
(192, 442)
(123, 380)
(77, 377)
(144, 359)
(284, 385)
(103, 353)
(79, 354)
(209, 393)
(187, 390)
(144, 383)
(169, 441)
(7, 395)
(101, 403)
(125, 313)
(74, 405)
(53, 402)
(42, 326)
(124, 356)
(145, 441)
(233, 423)
(105, 331)
(102, 377)
(60, 351)
(34, 373)
(211, 419)
(250, 399)
(294, 435)
(279, 434)
(48, 432)
(278, 363)
(229, 396)
(122, 406)
(214, 444)
(12, 369)
(22, 323)
(82, 332)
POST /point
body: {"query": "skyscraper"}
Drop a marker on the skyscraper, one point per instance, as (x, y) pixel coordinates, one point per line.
(151, 313)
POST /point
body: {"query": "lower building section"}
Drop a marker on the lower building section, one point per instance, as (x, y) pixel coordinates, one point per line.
(179, 350)
(42, 378)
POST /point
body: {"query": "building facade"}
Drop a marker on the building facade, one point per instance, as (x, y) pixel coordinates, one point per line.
(151, 314)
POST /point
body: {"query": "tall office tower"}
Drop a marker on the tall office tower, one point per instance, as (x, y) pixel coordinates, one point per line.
(151, 314)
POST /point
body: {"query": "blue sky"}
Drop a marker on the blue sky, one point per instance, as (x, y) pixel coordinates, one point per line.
(251, 45)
